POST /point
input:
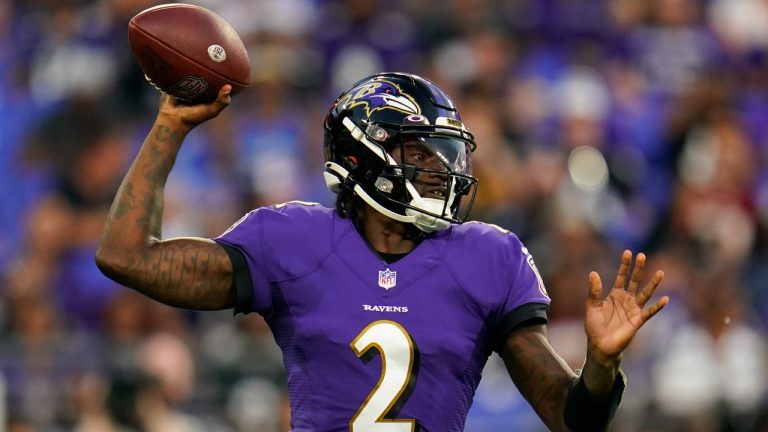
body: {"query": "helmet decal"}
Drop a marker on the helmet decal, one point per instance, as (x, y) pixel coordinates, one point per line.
(379, 95)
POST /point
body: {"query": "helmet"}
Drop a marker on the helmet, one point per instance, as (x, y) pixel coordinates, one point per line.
(396, 141)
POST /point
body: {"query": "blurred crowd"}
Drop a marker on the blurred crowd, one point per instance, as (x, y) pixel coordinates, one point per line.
(601, 125)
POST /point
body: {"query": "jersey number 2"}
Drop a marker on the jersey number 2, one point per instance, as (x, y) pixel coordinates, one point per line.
(399, 365)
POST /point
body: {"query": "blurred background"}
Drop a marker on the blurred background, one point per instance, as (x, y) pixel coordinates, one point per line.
(601, 125)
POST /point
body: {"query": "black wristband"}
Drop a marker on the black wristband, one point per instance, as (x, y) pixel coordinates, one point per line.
(586, 413)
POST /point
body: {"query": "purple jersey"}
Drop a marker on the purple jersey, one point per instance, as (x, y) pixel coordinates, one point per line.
(371, 346)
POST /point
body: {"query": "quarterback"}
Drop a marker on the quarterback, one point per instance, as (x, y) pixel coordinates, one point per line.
(387, 306)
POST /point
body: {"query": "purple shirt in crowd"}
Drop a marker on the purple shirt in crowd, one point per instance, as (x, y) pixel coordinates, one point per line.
(371, 346)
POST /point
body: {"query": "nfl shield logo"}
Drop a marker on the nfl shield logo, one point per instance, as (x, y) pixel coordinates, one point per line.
(189, 88)
(387, 279)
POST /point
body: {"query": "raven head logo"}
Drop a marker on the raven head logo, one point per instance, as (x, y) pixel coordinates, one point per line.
(379, 95)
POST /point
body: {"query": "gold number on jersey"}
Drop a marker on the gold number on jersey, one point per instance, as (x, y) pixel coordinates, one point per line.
(398, 377)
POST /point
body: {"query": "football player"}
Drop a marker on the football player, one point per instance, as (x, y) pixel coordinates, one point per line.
(387, 306)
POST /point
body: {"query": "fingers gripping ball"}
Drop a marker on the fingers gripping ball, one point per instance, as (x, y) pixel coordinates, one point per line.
(188, 51)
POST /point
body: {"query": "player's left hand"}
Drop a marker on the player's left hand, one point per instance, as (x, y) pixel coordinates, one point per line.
(613, 321)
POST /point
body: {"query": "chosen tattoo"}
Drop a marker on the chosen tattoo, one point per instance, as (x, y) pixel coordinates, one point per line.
(182, 272)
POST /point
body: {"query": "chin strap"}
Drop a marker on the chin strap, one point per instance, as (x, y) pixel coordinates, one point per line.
(424, 221)
(334, 174)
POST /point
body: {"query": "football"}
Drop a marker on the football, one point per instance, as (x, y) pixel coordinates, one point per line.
(188, 51)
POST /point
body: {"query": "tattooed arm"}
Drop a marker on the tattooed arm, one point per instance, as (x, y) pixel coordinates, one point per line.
(545, 379)
(192, 273)
(542, 377)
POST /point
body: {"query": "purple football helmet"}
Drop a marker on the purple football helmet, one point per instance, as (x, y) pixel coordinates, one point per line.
(396, 141)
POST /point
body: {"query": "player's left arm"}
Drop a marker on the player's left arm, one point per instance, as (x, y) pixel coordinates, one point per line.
(567, 401)
(540, 374)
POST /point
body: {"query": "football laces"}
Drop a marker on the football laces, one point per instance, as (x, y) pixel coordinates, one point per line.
(152, 83)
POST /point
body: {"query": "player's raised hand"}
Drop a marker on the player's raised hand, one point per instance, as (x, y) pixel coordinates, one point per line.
(193, 115)
(613, 321)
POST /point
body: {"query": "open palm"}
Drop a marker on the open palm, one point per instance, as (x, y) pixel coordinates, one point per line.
(613, 321)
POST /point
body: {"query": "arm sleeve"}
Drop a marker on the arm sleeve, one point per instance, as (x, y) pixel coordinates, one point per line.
(245, 248)
(242, 280)
(526, 300)
(524, 315)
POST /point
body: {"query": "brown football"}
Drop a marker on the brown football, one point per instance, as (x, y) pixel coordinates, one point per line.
(188, 51)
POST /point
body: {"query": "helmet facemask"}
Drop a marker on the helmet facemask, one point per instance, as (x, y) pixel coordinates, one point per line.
(432, 170)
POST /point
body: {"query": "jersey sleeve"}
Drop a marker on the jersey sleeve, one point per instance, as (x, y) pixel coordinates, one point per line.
(244, 244)
(501, 275)
(527, 301)
(269, 245)
(242, 279)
